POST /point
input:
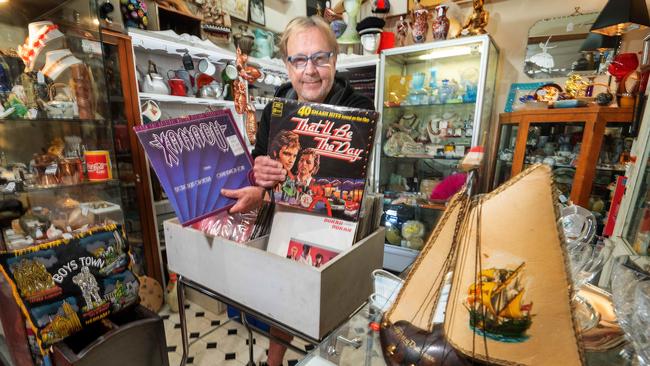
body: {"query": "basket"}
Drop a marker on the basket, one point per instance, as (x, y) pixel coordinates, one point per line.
(61, 104)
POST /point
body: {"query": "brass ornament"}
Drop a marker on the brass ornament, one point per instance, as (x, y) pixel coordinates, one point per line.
(476, 22)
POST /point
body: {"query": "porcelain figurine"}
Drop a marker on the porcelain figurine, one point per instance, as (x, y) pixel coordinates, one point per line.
(440, 25)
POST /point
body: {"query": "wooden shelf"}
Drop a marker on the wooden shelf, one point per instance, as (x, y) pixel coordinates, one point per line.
(166, 98)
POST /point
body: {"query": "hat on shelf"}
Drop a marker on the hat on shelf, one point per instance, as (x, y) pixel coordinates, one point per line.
(41, 35)
(56, 62)
(380, 6)
(370, 25)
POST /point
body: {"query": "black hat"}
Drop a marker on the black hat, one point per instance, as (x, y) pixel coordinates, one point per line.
(370, 25)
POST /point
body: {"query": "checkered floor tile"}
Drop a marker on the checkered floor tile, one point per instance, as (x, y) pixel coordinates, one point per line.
(216, 341)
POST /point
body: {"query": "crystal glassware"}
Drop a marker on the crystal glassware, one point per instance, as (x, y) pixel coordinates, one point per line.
(626, 277)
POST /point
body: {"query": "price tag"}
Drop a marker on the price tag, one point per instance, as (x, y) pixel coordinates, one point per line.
(51, 169)
(235, 146)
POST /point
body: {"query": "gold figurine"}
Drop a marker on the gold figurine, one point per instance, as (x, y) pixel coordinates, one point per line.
(477, 21)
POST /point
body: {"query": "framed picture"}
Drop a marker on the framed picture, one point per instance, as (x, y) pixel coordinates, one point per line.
(257, 12)
(236, 8)
(518, 90)
(315, 6)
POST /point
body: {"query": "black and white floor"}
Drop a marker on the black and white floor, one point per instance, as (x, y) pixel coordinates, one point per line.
(215, 341)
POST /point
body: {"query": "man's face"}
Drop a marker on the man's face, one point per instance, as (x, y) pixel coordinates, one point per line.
(287, 157)
(306, 165)
(312, 83)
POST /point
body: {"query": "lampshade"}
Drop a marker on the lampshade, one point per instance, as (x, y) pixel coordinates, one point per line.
(598, 42)
(621, 16)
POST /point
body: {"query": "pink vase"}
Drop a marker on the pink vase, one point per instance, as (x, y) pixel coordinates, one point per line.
(420, 25)
(440, 25)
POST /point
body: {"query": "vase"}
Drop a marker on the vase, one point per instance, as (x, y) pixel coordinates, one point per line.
(244, 40)
(350, 35)
(440, 25)
(420, 25)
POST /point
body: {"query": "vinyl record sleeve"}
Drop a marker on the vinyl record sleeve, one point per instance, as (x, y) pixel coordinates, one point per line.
(194, 158)
(341, 137)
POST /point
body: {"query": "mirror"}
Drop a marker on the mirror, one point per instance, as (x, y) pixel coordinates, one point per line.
(553, 48)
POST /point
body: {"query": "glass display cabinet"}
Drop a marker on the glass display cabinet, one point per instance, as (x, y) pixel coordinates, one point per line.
(632, 231)
(56, 146)
(587, 148)
(435, 100)
(58, 167)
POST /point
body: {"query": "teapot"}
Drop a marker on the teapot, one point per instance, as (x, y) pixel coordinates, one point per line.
(212, 90)
(264, 44)
(154, 82)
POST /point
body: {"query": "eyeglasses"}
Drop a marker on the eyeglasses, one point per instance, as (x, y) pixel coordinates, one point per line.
(319, 59)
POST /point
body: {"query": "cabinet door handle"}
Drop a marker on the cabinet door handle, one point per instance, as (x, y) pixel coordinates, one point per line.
(137, 178)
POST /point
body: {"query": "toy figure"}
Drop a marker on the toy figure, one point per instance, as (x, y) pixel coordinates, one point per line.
(477, 21)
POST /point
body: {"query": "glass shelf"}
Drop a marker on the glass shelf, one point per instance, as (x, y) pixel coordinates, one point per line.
(98, 122)
(437, 105)
(110, 182)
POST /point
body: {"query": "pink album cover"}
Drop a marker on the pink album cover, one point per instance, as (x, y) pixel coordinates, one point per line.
(309, 253)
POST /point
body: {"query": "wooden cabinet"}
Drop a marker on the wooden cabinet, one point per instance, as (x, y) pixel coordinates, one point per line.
(140, 226)
(582, 144)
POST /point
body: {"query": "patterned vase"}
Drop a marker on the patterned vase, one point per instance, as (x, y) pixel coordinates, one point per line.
(440, 25)
(420, 25)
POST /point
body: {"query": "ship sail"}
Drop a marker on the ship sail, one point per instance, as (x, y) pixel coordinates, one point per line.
(513, 309)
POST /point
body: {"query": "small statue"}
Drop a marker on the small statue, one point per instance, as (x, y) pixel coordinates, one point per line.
(477, 21)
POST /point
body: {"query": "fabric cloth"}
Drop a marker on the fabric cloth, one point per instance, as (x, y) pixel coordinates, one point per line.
(342, 94)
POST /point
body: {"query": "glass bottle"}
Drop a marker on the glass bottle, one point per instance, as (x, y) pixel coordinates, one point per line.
(433, 86)
(445, 91)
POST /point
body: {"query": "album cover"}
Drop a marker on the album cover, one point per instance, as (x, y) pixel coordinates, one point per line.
(194, 158)
(293, 228)
(325, 150)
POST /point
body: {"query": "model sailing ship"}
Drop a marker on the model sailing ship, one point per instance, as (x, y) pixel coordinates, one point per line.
(498, 254)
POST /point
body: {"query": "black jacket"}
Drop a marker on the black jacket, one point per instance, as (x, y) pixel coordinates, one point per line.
(342, 94)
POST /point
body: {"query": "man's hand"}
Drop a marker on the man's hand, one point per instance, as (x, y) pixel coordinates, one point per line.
(268, 172)
(248, 198)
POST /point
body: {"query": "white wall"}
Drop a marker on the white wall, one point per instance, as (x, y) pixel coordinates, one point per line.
(280, 12)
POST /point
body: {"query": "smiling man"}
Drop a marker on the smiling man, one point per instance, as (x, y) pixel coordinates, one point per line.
(309, 49)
